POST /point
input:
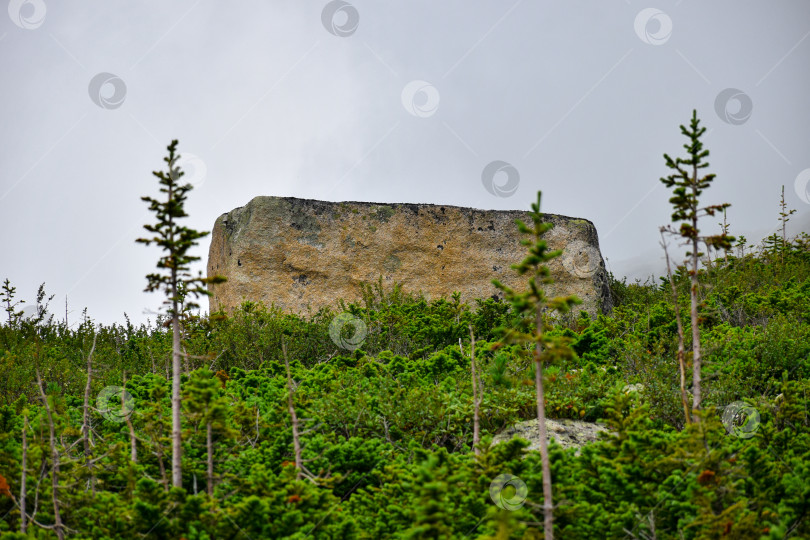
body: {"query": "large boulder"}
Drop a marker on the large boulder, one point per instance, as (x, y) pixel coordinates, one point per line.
(300, 253)
(568, 433)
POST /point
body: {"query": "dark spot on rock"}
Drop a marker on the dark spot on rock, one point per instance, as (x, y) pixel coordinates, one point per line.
(384, 213)
(496, 268)
(440, 246)
(480, 229)
(491, 226)
(392, 263)
(238, 262)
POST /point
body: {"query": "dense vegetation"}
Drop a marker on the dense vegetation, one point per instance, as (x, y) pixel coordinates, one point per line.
(387, 428)
(376, 420)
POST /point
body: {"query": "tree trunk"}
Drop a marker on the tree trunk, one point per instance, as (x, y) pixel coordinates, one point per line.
(681, 339)
(162, 467)
(86, 411)
(476, 426)
(299, 464)
(57, 518)
(177, 443)
(725, 231)
(548, 507)
(152, 357)
(133, 448)
(784, 223)
(185, 361)
(385, 428)
(693, 292)
(210, 447)
(23, 516)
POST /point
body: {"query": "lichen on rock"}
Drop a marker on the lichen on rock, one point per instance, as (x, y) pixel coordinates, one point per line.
(568, 433)
(303, 253)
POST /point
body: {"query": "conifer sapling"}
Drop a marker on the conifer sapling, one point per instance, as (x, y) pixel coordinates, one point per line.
(535, 303)
(174, 276)
(688, 186)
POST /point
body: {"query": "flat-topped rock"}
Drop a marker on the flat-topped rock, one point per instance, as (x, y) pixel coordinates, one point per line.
(302, 253)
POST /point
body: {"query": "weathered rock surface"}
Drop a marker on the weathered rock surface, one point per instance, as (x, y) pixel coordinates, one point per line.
(300, 253)
(568, 433)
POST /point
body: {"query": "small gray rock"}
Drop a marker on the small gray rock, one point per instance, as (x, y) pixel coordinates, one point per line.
(568, 433)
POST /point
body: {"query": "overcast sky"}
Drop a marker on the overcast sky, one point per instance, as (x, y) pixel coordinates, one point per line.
(383, 101)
